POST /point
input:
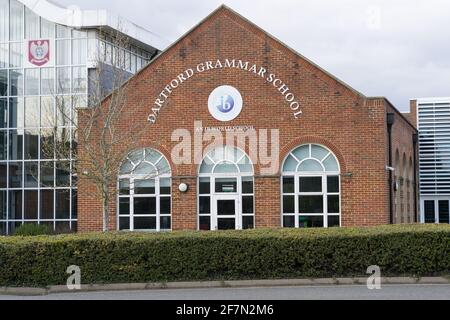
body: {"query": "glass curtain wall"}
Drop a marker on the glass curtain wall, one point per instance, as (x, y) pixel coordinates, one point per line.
(36, 108)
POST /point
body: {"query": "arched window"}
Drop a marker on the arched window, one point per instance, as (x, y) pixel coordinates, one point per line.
(226, 191)
(311, 188)
(145, 185)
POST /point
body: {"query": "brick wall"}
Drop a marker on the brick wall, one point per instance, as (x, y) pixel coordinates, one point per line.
(334, 115)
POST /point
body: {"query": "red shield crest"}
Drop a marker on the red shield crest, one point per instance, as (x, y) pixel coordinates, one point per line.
(39, 52)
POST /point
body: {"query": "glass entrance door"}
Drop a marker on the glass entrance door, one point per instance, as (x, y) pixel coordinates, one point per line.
(226, 213)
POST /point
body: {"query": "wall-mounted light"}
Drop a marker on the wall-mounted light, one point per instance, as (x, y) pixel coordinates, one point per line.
(183, 187)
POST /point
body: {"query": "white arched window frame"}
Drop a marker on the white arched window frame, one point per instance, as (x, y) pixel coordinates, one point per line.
(145, 189)
(226, 173)
(311, 188)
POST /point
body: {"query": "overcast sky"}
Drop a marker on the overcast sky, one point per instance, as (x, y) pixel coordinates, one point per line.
(397, 49)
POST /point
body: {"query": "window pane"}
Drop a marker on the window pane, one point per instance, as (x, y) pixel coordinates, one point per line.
(3, 202)
(31, 174)
(302, 153)
(165, 186)
(3, 224)
(62, 174)
(333, 204)
(145, 223)
(48, 81)
(247, 205)
(333, 221)
(74, 206)
(430, 215)
(47, 29)
(31, 144)
(62, 143)
(289, 222)
(166, 223)
(288, 185)
(331, 164)
(444, 211)
(3, 145)
(47, 144)
(63, 111)
(226, 207)
(4, 53)
(163, 166)
(311, 222)
(4, 20)
(63, 52)
(145, 168)
(310, 166)
(165, 206)
(124, 187)
(62, 227)
(288, 204)
(248, 222)
(319, 152)
(3, 175)
(226, 168)
(32, 81)
(15, 205)
(79, 84)
(47, 112)
(290, 165)
(226, 185)
(144, 206)
(247, 185)
(205, 186)
(31, 25)
(62, 204)
(3, 83)
(144, 187)
(31, 205)
(47, 174)
(63, 80)
(15, 175)
(124, 223)
(15, 55)
(205, 223)
(16, 82)
(226, 224)
(32, 112)
(205, 205)
(47, 204)
(124, 206)
(79, 34)
(333, 184)
(310, 184)
(16, 145)
(311, 204)
(79, 51)
(16, 21)
(62, 31)
(16, 113)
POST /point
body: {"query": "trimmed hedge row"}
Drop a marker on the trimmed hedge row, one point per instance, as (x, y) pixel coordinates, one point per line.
(257, 254)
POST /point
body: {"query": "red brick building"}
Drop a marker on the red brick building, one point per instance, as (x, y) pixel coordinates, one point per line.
(333, 157)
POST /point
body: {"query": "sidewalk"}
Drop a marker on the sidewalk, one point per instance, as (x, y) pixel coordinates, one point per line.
(221, 284)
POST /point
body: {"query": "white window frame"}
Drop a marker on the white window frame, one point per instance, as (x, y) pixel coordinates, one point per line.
(151, 176)
(324, 193)
(215, 196)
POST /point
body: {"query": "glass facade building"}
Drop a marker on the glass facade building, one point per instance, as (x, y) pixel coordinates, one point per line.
(434, 143)
(37, 112)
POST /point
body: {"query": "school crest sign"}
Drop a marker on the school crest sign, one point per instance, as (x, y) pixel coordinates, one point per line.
(39, 52)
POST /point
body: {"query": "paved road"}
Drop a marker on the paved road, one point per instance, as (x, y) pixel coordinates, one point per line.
(388, 292)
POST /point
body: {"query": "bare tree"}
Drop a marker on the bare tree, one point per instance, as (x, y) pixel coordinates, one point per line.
(100, 140)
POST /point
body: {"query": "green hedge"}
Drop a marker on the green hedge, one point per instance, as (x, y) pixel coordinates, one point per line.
(257, 254)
